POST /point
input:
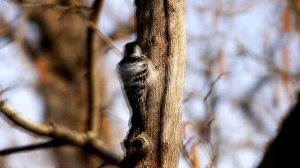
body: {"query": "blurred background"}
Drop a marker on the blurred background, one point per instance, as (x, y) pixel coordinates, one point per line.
(241, 77)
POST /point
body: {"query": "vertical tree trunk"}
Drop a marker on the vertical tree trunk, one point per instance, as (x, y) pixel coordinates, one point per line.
(161, 35)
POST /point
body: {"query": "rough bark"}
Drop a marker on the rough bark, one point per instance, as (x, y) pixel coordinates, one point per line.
(161, 35)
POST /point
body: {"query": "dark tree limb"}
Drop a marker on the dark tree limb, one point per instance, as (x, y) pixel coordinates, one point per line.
(284, 150)
(26, 148)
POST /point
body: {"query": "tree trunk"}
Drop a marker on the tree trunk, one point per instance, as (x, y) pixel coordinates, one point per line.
(161, 35)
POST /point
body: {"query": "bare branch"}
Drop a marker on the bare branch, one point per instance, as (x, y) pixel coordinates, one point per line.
(41, 129)
(268, 61)
(105, 38)
(83, 140)
(92, 81)
(55, 6)
(42, 145)
(97, 7)
(232, 10)
(212, 85)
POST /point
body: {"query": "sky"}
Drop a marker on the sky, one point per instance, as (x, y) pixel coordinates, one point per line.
(235, 130)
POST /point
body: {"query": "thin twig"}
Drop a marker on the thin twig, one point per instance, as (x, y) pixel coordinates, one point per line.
(26, 148)
(105, 38)
(212, 87)
(2, 91)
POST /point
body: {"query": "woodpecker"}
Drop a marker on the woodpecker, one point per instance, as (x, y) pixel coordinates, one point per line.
(137, 74)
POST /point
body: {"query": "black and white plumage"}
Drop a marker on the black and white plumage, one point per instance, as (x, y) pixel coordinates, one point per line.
(137, 74)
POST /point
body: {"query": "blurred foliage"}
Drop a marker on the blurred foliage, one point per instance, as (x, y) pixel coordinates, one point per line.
(239, 81)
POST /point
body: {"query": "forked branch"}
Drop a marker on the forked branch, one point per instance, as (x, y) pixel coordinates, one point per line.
(57, 133)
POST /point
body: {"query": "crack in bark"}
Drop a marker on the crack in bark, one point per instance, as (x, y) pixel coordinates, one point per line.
(166, 84)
